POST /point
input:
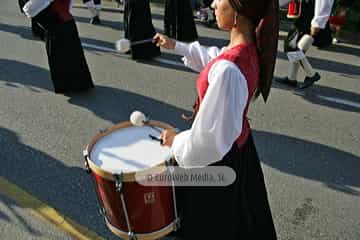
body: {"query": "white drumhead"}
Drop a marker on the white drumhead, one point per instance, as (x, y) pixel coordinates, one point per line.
(129, 150)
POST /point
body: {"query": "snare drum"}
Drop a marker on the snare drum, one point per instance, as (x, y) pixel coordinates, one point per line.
(132, 210)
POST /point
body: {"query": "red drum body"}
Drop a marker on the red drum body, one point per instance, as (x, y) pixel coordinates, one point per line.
(131, 210)
(294, 9)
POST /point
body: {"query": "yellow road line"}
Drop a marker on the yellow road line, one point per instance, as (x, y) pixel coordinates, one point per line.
(45, 212)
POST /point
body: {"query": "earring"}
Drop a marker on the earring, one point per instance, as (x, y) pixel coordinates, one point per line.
(235, 19)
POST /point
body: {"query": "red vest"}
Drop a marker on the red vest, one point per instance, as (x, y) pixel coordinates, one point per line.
(61, 9)
(246, 58)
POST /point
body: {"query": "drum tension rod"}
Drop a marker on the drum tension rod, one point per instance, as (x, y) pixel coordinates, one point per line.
(102, 130)
(119, 188)
(131, 236)
(118, 182)
(170, 164)
(86, 155)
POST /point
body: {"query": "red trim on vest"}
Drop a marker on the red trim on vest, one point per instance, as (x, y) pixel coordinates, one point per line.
(61, 9)
(246, 58)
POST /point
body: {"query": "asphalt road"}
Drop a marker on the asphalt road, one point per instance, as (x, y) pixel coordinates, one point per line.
(308, 141)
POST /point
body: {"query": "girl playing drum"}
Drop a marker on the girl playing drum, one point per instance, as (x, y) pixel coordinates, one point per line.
(220, 134)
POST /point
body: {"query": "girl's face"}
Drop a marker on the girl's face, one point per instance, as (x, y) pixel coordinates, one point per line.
(225, 14)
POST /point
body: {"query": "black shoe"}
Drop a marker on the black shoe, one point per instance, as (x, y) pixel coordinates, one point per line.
(309, 81)
(95, 20)
(286, 81)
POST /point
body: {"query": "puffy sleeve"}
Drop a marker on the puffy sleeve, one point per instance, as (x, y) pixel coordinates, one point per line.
(33, 7)
(322, 13)
(219, 120)
(196, 56)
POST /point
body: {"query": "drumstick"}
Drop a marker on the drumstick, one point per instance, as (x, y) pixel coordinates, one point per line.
(123, 45)
(141, 42)
(155, 138)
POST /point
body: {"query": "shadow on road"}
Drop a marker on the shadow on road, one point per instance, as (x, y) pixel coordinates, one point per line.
(111, 104)
(67, 189)
(24, 32)
(116, 105)
(116, 25)
(343, 49)
(324, 96)
(13, 72)
(328, 65)
(335, 169)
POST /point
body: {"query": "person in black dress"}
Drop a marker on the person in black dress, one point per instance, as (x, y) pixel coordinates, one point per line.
(179, 20)
(138, 26)
(68, 67)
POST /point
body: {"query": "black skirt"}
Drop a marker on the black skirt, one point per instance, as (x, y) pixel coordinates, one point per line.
(68, 67)
(239, 211)
(179, 20)
(138, 26)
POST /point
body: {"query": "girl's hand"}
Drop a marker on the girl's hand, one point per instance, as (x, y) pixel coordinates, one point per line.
(314, 31)
(164, 41)
(167, 137)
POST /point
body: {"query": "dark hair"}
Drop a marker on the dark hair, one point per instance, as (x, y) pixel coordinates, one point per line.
(254, 10)
(264, 14)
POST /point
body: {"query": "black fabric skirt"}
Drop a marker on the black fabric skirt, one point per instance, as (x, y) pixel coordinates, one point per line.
(138, 26)
(68, 67)
(236, 212)
(179, 20)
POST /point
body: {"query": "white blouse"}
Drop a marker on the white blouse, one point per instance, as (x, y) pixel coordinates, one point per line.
(220, 118)
(34, 7)
(322, 13)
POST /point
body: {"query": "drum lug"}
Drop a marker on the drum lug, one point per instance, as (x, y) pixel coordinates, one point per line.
(102, 130)
(101, 210)
(177, 224)
(131, 236)
(118, 182)
(86, 155)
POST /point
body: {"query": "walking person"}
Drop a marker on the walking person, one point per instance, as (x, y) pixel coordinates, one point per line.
(310, 28)
(220, 134)
(179, 20)
(138, 26)
(94, 7)
(68, 67)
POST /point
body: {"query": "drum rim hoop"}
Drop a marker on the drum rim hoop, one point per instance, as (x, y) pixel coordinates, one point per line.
(142, 236)
(129, 176)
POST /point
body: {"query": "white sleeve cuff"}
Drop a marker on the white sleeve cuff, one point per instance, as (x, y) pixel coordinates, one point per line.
(178, 146)
(319, 22)
(181, 48)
